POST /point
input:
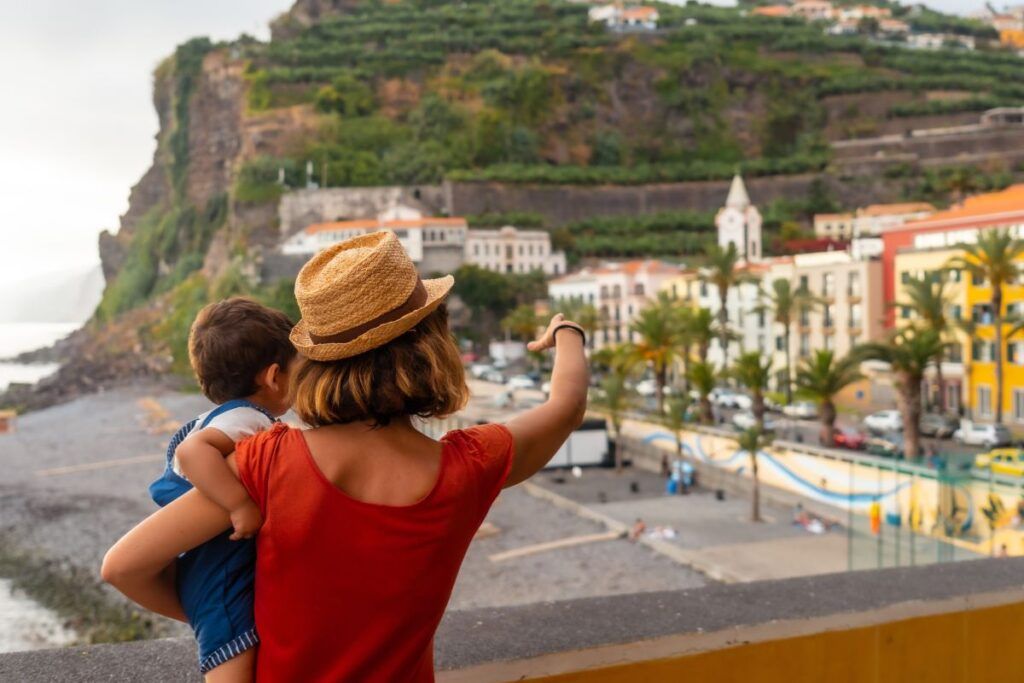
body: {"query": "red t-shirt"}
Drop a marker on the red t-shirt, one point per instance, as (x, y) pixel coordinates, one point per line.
(353, 591)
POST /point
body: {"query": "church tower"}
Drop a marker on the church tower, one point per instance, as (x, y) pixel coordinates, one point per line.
(739, 223)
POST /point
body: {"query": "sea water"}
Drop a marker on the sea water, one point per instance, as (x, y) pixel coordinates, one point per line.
(24, 625)
(16, 338)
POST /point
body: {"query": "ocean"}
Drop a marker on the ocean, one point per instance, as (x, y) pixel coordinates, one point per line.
(17, 338)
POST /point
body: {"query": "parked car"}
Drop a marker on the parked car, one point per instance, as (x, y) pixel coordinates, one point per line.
(848, 437)
(806, 410)
(646, 387)
(939, 426)
(744, 402)
(477, 370)
(887, 445)
(521, 382)
(494, 376)
(745, 419)
(884, 421)
(725, 398)
(1009, 461)
(988, 435)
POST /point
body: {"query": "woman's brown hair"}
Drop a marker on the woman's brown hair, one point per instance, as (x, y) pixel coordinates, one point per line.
(419, 373)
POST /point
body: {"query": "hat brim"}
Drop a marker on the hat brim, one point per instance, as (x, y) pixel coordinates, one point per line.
(437, 290)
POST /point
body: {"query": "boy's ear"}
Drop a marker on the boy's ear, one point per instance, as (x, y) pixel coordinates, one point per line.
(270, 377)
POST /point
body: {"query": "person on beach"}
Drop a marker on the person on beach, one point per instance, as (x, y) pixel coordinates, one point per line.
(240, 352)
(366, 520)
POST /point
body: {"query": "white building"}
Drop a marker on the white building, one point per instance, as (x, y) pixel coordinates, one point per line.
(617, 17)
(813, 10)
(435, 244)
(510, 250)
(618, 291)
(739, 223)
(938, 41)
(869, 221)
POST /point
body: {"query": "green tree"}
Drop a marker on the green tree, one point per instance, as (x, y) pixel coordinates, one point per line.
(820, 378)
(753, 441)
(782, 303)
(346, 95)
(700, 329)
(702, 379)
(994, 259)
(909, 353)
(722, 272)
(930, 299)
(522, 323)
(657, 326)
(615, 398)
(751, 372)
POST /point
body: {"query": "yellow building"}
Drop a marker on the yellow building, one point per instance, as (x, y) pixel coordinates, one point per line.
(922, 263)
(936, 239)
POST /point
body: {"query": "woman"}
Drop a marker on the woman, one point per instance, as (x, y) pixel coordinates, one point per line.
(366, 519)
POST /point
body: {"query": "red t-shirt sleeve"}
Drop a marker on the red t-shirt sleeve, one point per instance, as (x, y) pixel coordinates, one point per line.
(254, 457)
(491, 456)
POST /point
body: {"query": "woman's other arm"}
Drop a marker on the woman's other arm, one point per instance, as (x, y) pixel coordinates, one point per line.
(141, 564)
(540, 432)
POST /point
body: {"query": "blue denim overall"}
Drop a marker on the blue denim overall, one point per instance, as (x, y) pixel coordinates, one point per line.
(214, 580)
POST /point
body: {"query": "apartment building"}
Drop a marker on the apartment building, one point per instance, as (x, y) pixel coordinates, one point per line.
(618, 291)
(510, 250)
(869, 221)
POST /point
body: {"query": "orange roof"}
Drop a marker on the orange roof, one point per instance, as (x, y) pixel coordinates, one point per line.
(772, 11)
(373, 223)
(1010, 200)
(890, 209)
(639, 13)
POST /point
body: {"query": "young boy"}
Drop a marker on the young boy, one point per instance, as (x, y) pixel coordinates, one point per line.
(241, 355)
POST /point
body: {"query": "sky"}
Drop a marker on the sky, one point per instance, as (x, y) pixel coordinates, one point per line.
(77, 124)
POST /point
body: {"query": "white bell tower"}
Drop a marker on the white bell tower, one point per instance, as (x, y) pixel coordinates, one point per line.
(739, 223)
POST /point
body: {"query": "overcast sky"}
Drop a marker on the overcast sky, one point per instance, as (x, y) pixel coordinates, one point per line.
(76, 119)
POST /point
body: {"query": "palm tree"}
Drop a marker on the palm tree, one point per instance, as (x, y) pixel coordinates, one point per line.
(722, 272)
(702, 377)
(753, 441)
(753, 373)
(700, 326)
(614, 400)
(674, 420)
(909, 353)
(658, 327)
(783, 303)
(931, 300)
(522, 322)
(993, 259)
(583, 314)
(820, 378)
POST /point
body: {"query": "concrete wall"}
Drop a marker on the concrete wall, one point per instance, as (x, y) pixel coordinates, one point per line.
(561, 204)
(302, 208)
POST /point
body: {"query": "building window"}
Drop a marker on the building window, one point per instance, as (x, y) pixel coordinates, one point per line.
(604, 291)
(804, 284)
(977, 279)
(616, 291)
(905, 312)
(805, 345)
(675, 293)
(780, 343)
(855, 315)
(828, 317)
(955, 353)
(703, 289)
(982, 313)
(983, 351)
(1015, 353)
(829, 346)
(1018, 405)
(985, 401)
(638, 289)
(955, 275)
(905, 276)
(853, 285)
(805, 316)
(828, 281)
(953, 397)
(956, 311)
(760, 317)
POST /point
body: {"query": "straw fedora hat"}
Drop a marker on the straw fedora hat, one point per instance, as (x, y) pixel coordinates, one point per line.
(360, 294)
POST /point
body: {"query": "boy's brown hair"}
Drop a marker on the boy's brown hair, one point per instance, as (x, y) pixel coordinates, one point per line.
(231, 341)
(419, 373)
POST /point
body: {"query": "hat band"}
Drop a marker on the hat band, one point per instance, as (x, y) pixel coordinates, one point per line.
(415, 300)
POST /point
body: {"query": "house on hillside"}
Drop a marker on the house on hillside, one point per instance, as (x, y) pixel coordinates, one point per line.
(774, 11)
(813, 10)
(938, 41)
(510, 250)
(621, 18)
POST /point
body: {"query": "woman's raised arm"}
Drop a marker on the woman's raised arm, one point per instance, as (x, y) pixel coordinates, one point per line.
(540, 432)
(141, 564)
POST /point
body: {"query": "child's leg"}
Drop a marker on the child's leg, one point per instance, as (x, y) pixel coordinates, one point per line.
(239, 669)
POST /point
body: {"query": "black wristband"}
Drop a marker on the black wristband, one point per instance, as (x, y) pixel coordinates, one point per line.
(569, 326)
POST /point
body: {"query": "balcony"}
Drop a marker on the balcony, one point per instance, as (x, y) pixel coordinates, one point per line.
(943, 622)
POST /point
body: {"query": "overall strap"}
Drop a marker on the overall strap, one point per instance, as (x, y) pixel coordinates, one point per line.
(231, 405)
(178, 437)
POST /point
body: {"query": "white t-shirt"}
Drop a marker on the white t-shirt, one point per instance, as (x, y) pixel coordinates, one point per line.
(237, 424)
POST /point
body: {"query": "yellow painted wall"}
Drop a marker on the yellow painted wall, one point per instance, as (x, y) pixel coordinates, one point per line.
(970, 646)
(983, 373)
